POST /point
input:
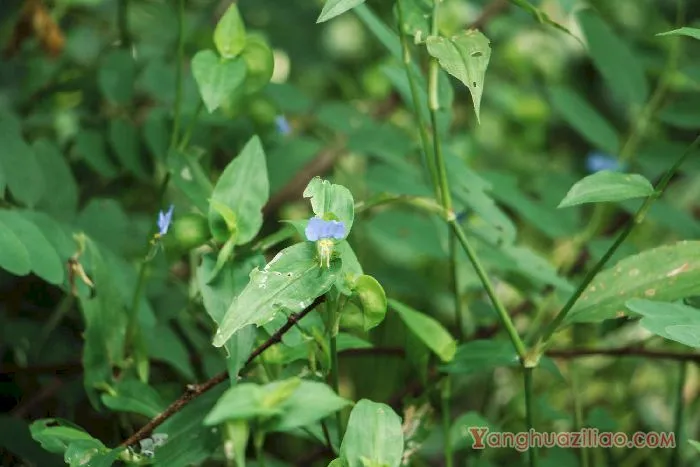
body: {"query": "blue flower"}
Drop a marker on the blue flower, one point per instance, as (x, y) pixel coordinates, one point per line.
(282, 125)
(318, 229)
(597, 161)
(164, 220)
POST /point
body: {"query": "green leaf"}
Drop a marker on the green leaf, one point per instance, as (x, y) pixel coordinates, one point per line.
(61, 191)
(116, 75)
(333, 8)
(241, 402)
(428, 330)
(466, 57)
(674, 321)
(134, 396)
(416, 16)
(91, 147)
(540, 16)
(684, 31)
(217, 78)
(351, 268)
(373, 437)
(189, 176)
(43, 258)
(244, 188)
(614, 59)
(218, 294)
(55, 435)
(229, 35)
(607, 186)
(290, 282)
(14, 256)
(124, 141)
(18, 161)
(585, 119)
(310, 402)
(328, 199)
(667, 273)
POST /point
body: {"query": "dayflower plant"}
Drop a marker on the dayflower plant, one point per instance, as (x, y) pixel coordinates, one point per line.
(323, 232)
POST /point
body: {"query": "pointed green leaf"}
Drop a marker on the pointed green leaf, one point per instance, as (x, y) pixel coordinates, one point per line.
(244, 188)
(373, 300)
(217, 78)
(333, 8)
(124, 141)
(290, 282)
(607, 186)
(43, 258)
(373, 437)
(674, 321)
(134, 396)
(585, 119)
(14, 256)
(667, 273)
(229, 35)
(61, 191)
(466, 57)
(614, 59)
(428, 330)
(684, 31)
(22, 173)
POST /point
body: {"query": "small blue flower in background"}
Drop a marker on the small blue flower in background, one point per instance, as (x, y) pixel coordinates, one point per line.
(164, 220)
(318, 229)
(597, 161)
(282, 125)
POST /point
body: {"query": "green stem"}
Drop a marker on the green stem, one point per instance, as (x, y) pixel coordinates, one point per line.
(577, 396)
(180, 58)
(190, 128)
(679, 416)
(123, 23)
(454, 264)
(336, 385)
(132, 324)
(529, 412)
(259, 442)
(446, 422)
(422, 128)
(490, 291)
(638, 219)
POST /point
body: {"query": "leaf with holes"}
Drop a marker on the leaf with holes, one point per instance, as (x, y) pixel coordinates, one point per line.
(466, 57)
(667, 273)
(290, 282)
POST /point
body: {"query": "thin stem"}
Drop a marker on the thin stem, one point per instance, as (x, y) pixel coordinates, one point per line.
(123, 23)
(178, 73)
(529, 412)
(422, 128)
(446, 422)
(259, 442)
(577, 399)
(679, 416)
(454, 264)
(638, 219)
(190, 128)
(490, 291)
(132, 324)
(336, 385)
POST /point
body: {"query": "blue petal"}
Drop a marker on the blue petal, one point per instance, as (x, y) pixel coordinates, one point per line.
(314, 229)
(164, 219)
(338, 230)
(282, 125)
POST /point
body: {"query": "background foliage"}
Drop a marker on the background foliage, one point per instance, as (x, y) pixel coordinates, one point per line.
(515, 254)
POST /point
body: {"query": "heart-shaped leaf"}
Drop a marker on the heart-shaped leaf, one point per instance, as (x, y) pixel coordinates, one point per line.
(217, 78)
